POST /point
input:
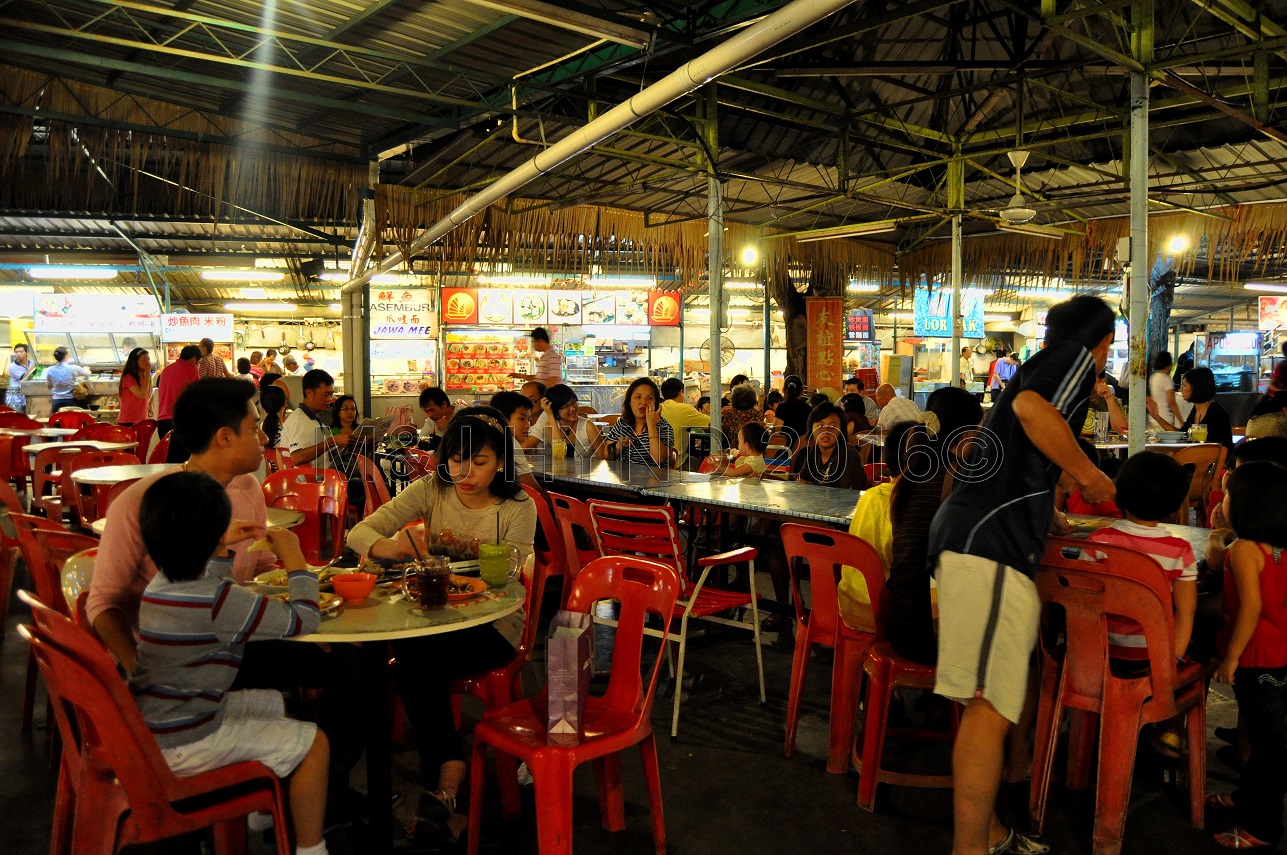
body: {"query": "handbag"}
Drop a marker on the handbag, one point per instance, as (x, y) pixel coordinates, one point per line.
(567, 671)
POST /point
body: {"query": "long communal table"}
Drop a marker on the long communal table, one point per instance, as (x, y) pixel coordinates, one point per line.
(788, 501)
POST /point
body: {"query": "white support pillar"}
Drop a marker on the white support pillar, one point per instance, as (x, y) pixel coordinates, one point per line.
(956, 201)
(1140, 263)
(715, 282)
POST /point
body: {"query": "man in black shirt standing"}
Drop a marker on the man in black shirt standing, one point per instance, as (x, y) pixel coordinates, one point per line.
(987, 539)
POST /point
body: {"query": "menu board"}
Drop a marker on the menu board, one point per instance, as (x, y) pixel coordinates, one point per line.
(859, 325)
(483, 361)
(494, 307)
(564, 307)
(96, 313)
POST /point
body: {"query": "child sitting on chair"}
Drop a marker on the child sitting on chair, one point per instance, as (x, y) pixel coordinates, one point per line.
(194, 622)
(752, 442)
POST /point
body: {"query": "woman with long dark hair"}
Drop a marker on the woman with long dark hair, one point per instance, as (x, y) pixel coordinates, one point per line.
(641, 435)
(794, 410)
(474, 496)
(826, 457)
(135, 388)
(273, 402)
(559, 411)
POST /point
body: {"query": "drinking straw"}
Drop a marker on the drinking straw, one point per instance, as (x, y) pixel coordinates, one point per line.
(498, 526)
(414, 548)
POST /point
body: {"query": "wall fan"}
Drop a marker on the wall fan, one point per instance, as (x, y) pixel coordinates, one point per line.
(727, 350)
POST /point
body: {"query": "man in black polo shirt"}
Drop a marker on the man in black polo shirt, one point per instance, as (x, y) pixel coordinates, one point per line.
(986, 540)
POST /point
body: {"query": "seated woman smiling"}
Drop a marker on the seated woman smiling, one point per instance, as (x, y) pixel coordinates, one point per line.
(473, 494)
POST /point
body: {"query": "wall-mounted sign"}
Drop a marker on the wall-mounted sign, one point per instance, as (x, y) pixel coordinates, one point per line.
(460, 305)
(1273, 313)
(860, 325)
(403, 313)
(196, 327)
(96, 313)
(663, 308)
(826, 356)
(932, 313)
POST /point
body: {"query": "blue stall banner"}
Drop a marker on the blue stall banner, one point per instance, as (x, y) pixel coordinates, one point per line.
(932, 313)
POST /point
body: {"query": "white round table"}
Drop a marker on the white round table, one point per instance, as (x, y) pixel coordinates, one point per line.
(98, 526)
(96, 444)
(386, 616)
(40, 433)
(117, 474)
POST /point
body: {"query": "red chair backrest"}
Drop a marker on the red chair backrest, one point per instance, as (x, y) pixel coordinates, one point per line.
(377, 492)
(551, 561)
(574, 522)
(1092, 581)
(70, 419)
(116, 490)
(318, 494)
(161, 451)
(278, 458)
(45, 553)
(420, 463)
(4, 409)
(50, 461)
(647, 531)
(90, 498)
(110, 732)
(19, 420)
(826, 550)
(143, 433)
(877, 473)
(107, 433)
(642, 587)
(92, 459)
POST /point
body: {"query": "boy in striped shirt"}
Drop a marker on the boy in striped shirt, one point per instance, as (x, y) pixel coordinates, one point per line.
(1150, 488)
(194, 623)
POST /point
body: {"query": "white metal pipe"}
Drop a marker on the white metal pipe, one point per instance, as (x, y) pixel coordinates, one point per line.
(780, 25)
(1141, 264)
(715, 283)
(956, 176)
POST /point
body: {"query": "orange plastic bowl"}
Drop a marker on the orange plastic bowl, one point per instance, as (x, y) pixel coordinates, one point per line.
(354, 586)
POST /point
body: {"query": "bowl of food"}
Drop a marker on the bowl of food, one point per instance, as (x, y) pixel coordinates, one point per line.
(354, 586)
(1170, 436)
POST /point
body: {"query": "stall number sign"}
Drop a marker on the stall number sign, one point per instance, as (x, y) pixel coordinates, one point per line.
(407, 313)
(195, 327)
(859, 326)
(932, 313)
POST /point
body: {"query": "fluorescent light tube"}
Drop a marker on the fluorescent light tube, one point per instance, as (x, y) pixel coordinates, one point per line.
(73, 272)
(242, 275)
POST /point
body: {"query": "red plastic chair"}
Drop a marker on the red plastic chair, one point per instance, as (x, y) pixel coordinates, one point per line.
(90, 498)
(617, 720)
(19, 420)
(1076, 677)
(44, 556)
(114, 787)
(15, 466)
(4, 409)
(877, 473)
(161, 451)
(107, 433)
(143, 432)
(419, 463)
(826, 551)
(51, 488)
(278, 459)
(651, 532)
(115, 491)
(322, 496)
(377, 491)
(9, 547)
(574, 523)
(76, 419)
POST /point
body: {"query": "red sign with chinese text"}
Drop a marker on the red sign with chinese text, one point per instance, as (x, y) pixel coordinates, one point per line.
(826, 316)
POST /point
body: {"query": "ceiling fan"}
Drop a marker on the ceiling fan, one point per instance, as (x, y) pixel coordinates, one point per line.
(1018, 211)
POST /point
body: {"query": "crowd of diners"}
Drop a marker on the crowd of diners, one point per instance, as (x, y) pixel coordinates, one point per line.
(208, 658)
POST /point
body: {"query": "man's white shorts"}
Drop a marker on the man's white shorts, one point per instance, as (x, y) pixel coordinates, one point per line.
(988, 616)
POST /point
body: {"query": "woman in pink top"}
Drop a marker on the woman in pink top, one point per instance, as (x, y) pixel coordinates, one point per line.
(136, 387)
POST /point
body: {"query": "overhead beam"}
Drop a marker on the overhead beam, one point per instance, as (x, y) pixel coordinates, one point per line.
(566, 19)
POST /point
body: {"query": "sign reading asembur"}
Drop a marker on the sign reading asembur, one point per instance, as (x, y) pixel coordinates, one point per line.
(403, 313)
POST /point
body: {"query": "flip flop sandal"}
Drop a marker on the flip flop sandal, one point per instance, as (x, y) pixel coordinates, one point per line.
(1237, 838)
(1220, 801)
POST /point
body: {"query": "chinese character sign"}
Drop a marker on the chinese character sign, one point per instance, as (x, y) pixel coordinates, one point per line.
(196, 327)
(932, 313)
(96, 313)
(406, 313)
(826, 316)
(860, 325)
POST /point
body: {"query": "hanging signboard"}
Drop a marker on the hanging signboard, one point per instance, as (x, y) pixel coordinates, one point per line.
(1273, 313)
(860, 325)
(932, 313)
(826, 341)
(196, 327)
(96, 313)
(663, 308)
(406, 313)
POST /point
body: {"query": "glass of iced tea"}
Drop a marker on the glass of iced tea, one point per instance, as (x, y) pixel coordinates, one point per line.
(428, 585)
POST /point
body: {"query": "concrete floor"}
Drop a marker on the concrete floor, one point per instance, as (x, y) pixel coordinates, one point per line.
(726, 784)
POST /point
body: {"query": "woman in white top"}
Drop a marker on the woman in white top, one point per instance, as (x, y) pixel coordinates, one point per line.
(1161, 391)
(559, 408)
(474, 495)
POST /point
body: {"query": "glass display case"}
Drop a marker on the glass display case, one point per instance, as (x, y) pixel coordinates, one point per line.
(98, 351)
(401, 367)
(1233, 358)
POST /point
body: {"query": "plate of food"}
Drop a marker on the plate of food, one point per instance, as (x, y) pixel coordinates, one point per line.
(461, 588)
(275, 581)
